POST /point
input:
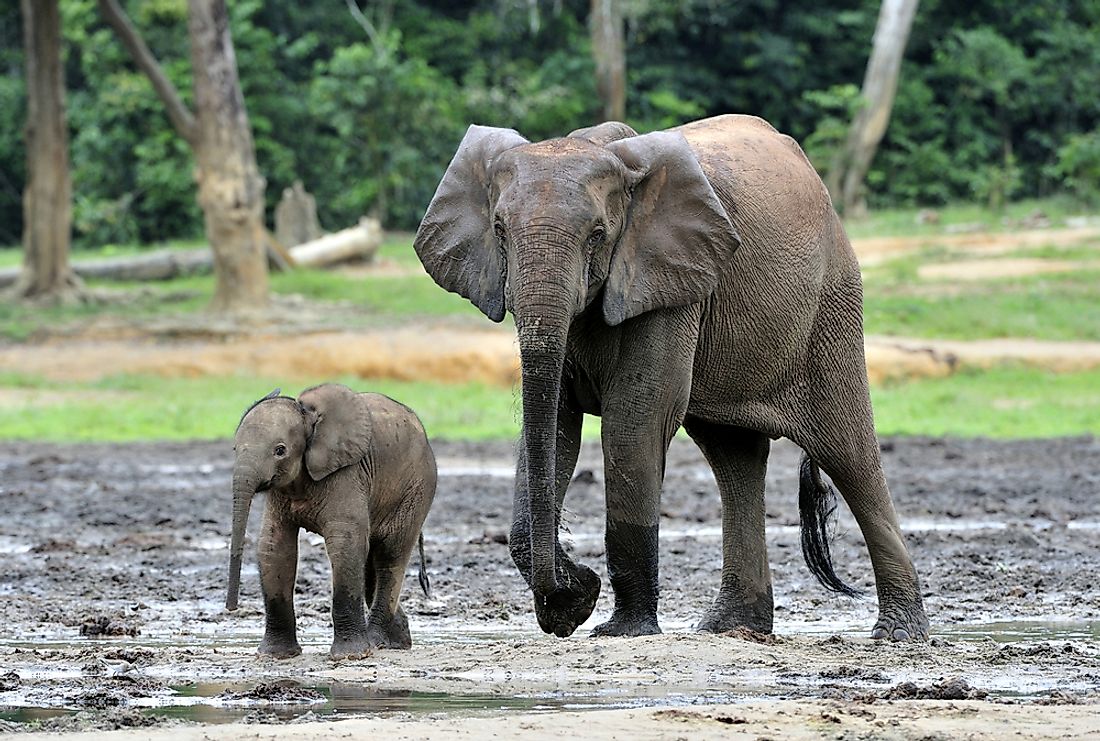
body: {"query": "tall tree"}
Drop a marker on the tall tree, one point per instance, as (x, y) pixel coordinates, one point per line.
(47, 197)
(605, 22)
(230, 188)
(880, 83)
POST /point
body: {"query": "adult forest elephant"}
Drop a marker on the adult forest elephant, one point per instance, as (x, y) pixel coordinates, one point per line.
(697, 277)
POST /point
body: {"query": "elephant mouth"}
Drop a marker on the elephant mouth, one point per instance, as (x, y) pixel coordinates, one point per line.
(264, 486)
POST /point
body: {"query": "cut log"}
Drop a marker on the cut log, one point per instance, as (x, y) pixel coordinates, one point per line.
(360, 242)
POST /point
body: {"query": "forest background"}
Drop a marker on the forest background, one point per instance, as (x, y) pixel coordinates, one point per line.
(997, 100)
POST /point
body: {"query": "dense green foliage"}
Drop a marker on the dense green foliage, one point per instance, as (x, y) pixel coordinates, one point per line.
(998, 100)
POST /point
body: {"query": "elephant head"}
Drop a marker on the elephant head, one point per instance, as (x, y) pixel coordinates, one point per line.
(281, 440)
(600, 218)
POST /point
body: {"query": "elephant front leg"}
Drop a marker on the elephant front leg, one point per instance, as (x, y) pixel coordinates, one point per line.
(347, 547)
(578, 586)
(278, 571)
(634, 465)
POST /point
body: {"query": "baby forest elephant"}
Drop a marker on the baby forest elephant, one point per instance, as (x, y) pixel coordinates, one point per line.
(357, 470)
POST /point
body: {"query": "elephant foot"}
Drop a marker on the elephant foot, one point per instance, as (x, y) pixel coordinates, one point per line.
(357, 647)
(628, 624)
(570, 605)
(278, 647)
(901, 623)
(391, 632)
(728, 613)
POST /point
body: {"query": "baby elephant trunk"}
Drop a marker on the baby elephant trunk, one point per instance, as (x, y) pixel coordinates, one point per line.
(243, 490)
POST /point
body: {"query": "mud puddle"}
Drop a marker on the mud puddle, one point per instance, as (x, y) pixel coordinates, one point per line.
(288, 700)
(127, 543)
(145, 676)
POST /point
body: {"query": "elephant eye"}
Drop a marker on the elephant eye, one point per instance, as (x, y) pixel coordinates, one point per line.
(280, 450)
(596, 237)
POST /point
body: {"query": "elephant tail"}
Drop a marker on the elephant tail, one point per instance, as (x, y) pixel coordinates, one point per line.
(816, 506)
(422, 575)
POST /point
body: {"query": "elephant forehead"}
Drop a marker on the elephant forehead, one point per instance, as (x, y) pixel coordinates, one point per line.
(274, 416)
(562, 159)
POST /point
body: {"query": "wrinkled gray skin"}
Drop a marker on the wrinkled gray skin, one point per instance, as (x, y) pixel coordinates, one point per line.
(355, 468)
(696, 277)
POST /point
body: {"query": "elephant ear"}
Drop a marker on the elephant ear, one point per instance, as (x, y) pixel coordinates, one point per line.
(455, 241)
(677, 237)
(341, 428)
(605, 133)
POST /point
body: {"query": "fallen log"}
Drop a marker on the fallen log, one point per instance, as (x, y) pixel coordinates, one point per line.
(359, 242)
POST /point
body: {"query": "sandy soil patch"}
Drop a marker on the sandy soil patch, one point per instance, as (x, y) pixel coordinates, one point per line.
(875, 250)
(412, 354)
(456, 355)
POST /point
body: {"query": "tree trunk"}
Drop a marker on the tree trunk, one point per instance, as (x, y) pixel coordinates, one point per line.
(47, 199)
(606, 25)
(231, 190)
(880, 83)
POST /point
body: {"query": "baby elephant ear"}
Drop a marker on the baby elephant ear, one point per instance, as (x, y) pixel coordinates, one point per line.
(677, 240)
(341, 428)
(455, 241)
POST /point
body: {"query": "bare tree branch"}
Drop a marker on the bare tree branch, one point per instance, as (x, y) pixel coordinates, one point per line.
(181, 116)
(366, 24)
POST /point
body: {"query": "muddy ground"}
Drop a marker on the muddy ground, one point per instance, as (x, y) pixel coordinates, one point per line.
(113, 577)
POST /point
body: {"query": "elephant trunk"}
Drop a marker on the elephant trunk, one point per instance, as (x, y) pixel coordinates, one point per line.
(244, 489)
(543, 309)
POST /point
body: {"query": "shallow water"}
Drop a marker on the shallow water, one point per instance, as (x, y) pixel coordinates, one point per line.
(221, 701)
(206, 702)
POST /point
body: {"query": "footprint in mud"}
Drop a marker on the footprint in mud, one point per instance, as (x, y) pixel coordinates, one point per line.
(10, 681)
(102, 625)
(953, 688)
(276, 693)
(860, 673)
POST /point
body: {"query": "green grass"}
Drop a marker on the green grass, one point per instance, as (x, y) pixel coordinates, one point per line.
(143, 407)
(1003, 403)
(383, 297)
(11, 255)
(999, 403)
(1052, 306)
(379, 299)
(900, 222)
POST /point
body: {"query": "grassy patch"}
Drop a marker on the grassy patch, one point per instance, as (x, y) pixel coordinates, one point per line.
(1052, 306)
(129, 408)
(899, 222)
(383, 296)
(1002, 403)
(374, 299)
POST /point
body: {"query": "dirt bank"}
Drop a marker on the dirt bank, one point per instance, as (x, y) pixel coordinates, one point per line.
(128, 542)
(452, 354)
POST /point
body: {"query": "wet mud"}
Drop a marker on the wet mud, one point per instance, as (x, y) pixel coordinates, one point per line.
(114, 560)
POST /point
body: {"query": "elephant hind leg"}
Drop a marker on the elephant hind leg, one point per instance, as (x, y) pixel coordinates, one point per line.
(739, 459)
(387, 626)
(845, 447)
